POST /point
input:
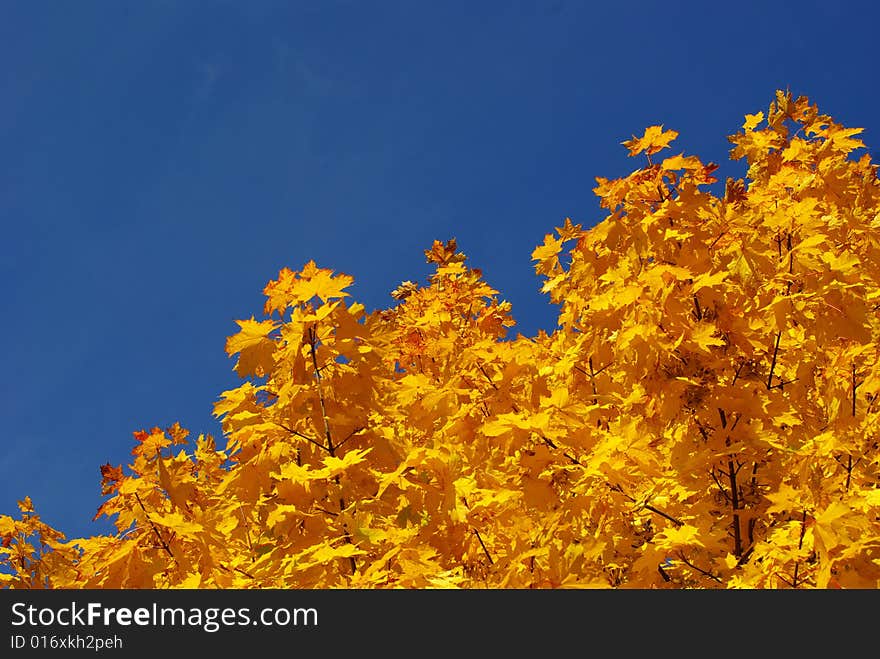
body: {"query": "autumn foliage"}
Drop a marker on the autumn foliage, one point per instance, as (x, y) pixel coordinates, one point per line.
(705, 414)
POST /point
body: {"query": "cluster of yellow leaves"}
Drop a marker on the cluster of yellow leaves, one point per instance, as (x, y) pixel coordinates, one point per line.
(705, 415)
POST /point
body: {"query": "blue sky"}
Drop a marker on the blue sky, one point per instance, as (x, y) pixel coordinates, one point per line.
(160, 161)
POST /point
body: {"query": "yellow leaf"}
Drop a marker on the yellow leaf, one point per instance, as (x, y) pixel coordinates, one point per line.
(336, 466)
(294, 288)
(708, 280)
(192, 581)
(653, 140)
(7, 525)
(843, 263)
(811, 244)
(252, 333)
(301, 473)
(833, 512)
(280, 514)
(785, 499)
(682, 536)
(501, 425)
(752, 120)
(130, 485)
(841, 139)
(549, 250)
(568, 231)
(177, 523)
(681, 162)
(328, 553)
(872, 497)
(703, 335)
(371, 535)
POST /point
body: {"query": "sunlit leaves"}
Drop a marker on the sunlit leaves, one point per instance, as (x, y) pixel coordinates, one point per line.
(653, 140)
(706, 413)
(253, 347)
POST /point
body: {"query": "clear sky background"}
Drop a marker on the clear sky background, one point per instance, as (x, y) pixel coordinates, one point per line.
(160, 161)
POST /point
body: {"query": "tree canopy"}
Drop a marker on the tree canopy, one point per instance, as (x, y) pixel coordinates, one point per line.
(704, 415)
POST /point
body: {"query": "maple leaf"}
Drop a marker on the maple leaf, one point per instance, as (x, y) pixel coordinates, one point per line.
(681, 536)
(691, 163)
(150, 443)
(177, 523)
(178, 434)
(784, 499)
(328, 553)
(336, 466)
(110, 477)
(708, 280)
(444, 253)
(569, 231)
(653, 140)
(255, 350)
(552, 246)
(295, 288)
(705, 336)
(841, 139)
(405, 289)
(321, 283)
(752, 120)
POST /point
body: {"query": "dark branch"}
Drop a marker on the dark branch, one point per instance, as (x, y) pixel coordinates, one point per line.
(698, 569)
(299, 434)
(773, 361)
(485, 551)
(153, 526)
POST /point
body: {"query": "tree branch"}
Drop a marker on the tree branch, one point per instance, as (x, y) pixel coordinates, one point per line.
(485, 551)
(773, 361)
(698, 569)
(153, 526)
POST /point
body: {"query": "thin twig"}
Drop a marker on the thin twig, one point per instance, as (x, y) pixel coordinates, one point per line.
(617, 488)
(302, 436)
(718, 483)
(773, 362)
(794, 582)
(486, 551)
(734, 504)
(313, 345)
(349, 436)
(153, 526)
(331, 449)
(237, 569)
(698, 569)
(247, 532)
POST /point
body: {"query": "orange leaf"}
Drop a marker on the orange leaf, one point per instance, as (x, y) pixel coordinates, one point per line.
(653, 140)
